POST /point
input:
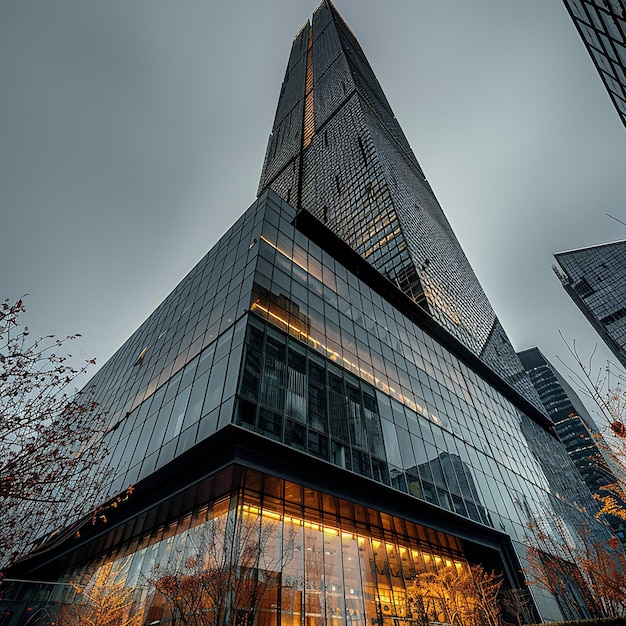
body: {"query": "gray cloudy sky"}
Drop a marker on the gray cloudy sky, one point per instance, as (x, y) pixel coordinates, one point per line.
(132, 134)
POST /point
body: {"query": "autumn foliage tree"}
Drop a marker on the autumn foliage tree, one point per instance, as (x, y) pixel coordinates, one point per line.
(606, 387)
(608, 390)
(461, 596)
(587, 576)
(104, 601)
(48, 431)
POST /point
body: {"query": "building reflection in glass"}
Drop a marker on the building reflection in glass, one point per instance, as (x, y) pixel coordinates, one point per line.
(447, 481)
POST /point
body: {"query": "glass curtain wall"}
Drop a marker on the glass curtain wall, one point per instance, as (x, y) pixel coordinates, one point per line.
(273, 552)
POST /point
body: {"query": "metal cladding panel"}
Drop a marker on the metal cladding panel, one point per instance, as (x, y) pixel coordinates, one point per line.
(283, 145)
(332, 88)
(322, 17)
(298, 48)
(326, 43)
(353, 201)
(360, 66)
(434, 249)
(368, 86)
(285, 184)
(292, 90)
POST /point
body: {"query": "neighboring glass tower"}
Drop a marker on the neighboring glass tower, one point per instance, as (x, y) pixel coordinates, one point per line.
(337, 151)
(299, 419)
(595, 279)
(602, 26)
(575, 427)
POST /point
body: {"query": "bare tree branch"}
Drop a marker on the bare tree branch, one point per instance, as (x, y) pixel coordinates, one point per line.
(49, 432)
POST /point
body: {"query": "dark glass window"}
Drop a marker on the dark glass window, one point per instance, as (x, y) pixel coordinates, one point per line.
(295, 435)
(246, 413)
(270, 423)
(318, 444)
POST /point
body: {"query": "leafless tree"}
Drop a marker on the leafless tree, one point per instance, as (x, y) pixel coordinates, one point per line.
(227, 568)
(585, 575)
(606, 387)
(48, 432)
(517, 605)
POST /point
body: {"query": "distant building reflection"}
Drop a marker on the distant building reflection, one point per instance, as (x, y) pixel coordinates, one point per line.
(447, 481)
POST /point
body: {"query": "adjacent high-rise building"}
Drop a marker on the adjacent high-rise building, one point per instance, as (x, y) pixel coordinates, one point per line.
(575, 427)
(602, 26)
(595, 279)
(326, 406)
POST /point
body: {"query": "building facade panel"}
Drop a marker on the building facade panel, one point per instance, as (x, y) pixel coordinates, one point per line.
(162, 391)
(602, 27)
(433, 403)
(595, 279)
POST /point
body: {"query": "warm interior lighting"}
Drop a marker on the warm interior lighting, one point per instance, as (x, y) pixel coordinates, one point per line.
(139, 358)
(271, 515)
(309, 116)
(289, 325)
(333, 355)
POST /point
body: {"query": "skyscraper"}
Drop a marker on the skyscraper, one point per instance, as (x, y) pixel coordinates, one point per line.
(575, 427)
(337, 151)
(595, 279)
(602, 26)
(310, 416)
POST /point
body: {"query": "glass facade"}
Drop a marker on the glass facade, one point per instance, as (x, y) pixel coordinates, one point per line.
(595, 279)
(292, 419)
(308, 558)
(306, 355)
(355, 171)
(449, 437)
(173, 382)
(602, 26)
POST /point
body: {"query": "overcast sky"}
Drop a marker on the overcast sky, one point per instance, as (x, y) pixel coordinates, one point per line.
(132, 135)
